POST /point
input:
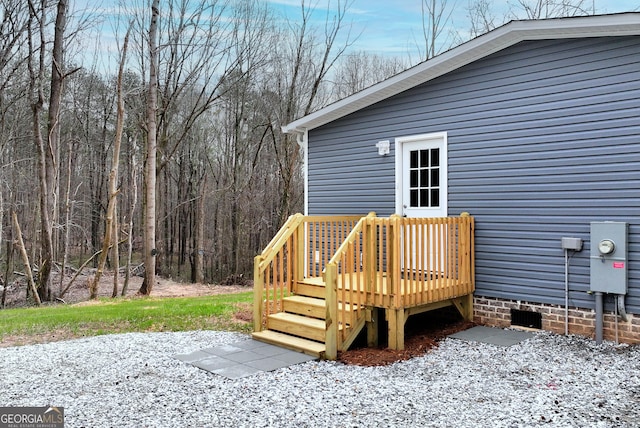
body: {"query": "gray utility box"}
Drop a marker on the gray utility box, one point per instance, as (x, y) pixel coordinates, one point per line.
(609, 257)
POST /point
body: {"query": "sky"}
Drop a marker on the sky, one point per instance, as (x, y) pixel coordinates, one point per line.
(394, 27)
(383, 27)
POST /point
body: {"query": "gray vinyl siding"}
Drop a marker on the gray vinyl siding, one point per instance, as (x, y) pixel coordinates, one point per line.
(543, 138)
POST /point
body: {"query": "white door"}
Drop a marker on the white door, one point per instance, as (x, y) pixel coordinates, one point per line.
(423, 169)
(422, 192)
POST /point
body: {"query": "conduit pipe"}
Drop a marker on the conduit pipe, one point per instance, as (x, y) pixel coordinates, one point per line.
(599, 316)
(566, 292)
(621, 309)
(573, 244)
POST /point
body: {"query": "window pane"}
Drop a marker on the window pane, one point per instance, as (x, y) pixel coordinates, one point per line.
(435, 177)
(413, 178)
(424, 197)
(414, 198)
(414, 159)
(435, 197)
(435, 157)
(424, 158)
(424, 178)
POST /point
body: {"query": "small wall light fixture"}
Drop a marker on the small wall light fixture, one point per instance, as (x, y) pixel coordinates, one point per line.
(383, 147)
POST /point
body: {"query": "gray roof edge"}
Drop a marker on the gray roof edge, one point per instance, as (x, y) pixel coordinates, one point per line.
(623, 24)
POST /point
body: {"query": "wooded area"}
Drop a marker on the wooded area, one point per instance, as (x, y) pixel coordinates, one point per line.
(175, 159)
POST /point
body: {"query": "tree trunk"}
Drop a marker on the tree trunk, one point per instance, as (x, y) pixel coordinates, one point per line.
(109, 229)
(67, 222)
(199, 247)
(25, 260)
(115, 254)
(52, 158)
(8, 262)
(150, 250)
(132, 209)
(36, 62)
(8, 270)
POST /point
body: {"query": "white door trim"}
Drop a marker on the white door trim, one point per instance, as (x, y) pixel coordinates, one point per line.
(440, 137)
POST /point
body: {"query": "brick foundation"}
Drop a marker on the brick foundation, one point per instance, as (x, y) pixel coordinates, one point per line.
(497, 313)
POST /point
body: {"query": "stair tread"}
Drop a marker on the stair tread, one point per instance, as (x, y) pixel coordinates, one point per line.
(300, 320)
(313, 301)
(318, 302)
(307, 346)
(318, 281)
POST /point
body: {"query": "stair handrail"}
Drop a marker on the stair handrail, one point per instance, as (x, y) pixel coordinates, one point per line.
(332, 340)
(263, 261)
(355, 232)
(278, 241)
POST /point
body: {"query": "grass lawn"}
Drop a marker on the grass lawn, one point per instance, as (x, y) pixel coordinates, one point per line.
(107, 316)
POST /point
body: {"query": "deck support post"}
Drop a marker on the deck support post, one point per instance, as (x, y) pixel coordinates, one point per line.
(396, 320)
(331, 317)
(258, 294)
(372, 328)
(469, 306)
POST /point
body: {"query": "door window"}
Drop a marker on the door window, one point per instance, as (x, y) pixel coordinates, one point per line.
(424, 178)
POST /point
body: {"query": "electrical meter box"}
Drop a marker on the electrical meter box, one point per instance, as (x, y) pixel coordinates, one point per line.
(608, 257)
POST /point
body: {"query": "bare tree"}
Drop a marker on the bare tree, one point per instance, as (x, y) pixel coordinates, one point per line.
(37, 58)
(132, 209)
(540, 9)
(110, 229)
(13, 27)
(47, 147)
(149, 219)
(68, 213)
(198, 251)
(197, 65)
(481, 17)
(25, 259)
(297, 78)
(359, 70)
(52, 159)
(436, 34)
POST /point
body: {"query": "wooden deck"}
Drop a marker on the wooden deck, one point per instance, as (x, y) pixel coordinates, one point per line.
(323, 279)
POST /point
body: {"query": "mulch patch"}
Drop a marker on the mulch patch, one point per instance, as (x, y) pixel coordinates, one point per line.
(422, 333)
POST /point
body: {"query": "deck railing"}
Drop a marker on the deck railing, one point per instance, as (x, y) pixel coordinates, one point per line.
(433, 259)
(394, 263)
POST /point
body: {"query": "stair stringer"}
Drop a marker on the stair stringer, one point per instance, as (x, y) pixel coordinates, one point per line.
(354, 331)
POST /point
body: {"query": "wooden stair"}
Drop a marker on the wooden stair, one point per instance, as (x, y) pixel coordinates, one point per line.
(301, 326)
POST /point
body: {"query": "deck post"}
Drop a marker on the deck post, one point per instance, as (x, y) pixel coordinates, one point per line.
(331, 317)
(396, 320)
(258, 294)
(465, 242)
(393, 261)
(467, 304)
(370, 243)
(372, 327)
(300, 256)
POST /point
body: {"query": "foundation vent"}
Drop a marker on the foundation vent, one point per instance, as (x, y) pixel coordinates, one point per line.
(526, 318)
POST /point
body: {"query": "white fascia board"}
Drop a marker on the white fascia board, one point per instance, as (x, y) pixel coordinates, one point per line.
(625, 24)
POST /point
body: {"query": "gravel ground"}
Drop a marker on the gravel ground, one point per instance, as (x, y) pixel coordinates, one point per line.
(132, 380)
